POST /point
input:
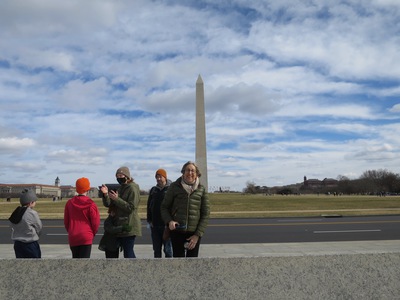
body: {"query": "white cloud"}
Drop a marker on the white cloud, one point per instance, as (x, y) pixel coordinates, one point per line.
(38, 17)
(395, 108)
(10, 144)
(90, 157)
(46, 59)
(78, 95)
(291, 89)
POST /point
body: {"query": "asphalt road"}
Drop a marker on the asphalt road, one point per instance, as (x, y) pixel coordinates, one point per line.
(260, 230)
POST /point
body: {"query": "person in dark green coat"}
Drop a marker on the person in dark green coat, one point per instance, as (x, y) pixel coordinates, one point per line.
(186, 210)
(109, 242)
(126, 201)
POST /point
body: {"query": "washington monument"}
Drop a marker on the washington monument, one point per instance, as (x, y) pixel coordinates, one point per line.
(201, 146)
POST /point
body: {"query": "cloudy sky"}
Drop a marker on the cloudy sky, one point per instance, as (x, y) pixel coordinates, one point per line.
(292, 89)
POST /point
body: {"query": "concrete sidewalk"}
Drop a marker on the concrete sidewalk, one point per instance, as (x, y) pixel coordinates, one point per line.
(236, 250)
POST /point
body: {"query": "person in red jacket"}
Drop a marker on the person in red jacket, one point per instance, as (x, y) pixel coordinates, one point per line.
(81, 220)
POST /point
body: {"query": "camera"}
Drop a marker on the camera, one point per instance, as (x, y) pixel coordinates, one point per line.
(186, 245)
(178, 226)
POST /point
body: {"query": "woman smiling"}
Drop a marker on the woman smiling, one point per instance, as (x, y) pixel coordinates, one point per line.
(186, 210)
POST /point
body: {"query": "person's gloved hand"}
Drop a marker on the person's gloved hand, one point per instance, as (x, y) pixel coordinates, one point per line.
(126, 227)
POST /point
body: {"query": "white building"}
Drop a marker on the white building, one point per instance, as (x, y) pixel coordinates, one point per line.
(43, 190)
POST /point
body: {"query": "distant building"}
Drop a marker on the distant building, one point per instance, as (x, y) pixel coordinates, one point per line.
(311, 183)
(40, 189)
(44, 190)
(67, 191)
(316, 183)
(330, 182)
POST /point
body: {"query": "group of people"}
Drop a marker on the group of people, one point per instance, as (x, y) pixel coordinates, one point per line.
(177, 214)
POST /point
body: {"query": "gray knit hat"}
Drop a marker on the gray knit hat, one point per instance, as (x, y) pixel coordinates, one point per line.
(124, 171)
(27, 196)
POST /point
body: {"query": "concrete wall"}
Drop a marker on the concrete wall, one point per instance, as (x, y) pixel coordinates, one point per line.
(363, 276)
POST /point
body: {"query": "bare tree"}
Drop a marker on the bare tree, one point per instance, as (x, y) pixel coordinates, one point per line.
(250, 188)
(380, 181)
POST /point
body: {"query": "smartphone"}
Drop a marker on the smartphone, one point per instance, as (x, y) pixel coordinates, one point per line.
(178, 226)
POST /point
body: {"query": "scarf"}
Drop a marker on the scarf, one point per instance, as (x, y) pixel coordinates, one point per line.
(189, 188)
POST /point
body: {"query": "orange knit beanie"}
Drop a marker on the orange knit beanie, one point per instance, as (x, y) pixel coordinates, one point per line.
(82, 185)
(162, 172)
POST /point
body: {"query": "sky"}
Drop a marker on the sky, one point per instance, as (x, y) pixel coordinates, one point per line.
(292, 89)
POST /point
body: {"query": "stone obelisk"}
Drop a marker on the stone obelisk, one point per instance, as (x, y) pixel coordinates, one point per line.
(201, 146)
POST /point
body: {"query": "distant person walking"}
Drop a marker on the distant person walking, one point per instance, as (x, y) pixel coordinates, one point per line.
(81, 220)
(157, 225)
(186, 210)
(126, 202)
(26, 227)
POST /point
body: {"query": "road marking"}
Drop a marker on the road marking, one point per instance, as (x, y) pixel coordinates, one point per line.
(57, 234)
(345, 231)
(303, 210)
(300, 220)
(288, 223)
(305, 223)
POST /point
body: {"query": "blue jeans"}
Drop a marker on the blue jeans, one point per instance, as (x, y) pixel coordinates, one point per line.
(158, 242)
(127, 244)
(27, 250)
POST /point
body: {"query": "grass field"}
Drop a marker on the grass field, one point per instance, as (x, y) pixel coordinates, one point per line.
(235, 205)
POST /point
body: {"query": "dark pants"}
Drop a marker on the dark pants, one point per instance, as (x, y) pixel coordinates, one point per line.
(178, 240)
(158, 242)
(82, 251)
(127, 243)
(112, 254)
(27, 250)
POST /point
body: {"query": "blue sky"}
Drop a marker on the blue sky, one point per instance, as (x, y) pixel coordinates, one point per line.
(292, 89)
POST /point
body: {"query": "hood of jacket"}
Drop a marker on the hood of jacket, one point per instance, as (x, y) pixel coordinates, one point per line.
(17, 214)
(81, 201)
(165, 186)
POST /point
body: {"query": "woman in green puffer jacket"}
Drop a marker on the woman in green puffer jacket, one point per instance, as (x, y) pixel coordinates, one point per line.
(186, 210)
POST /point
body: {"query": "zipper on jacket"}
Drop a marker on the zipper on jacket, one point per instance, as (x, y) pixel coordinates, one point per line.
(187, 212)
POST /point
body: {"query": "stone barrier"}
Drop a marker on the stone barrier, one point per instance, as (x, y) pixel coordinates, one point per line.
(354, 276)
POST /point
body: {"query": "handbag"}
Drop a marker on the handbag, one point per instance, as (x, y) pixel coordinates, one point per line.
(166, 234)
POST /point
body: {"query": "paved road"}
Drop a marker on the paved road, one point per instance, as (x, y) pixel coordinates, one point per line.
(260, 230)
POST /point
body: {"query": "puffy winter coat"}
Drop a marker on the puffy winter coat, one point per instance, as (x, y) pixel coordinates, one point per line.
(192, 210)
(127, 207)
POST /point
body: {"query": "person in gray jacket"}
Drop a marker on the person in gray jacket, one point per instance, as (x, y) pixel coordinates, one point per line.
(186, 210)
(26, 227)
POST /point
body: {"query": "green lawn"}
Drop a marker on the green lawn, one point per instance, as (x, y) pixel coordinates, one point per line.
(236, 205)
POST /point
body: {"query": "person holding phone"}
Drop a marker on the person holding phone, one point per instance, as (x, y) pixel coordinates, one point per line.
(126, 203)
(186, 210)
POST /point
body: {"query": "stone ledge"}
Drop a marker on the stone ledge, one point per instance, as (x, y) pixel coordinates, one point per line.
(355, 276)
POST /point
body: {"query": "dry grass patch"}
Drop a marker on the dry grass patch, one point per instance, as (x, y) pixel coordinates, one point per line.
(236, 205)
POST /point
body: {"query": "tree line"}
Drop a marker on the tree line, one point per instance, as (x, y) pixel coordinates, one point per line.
(371, 182)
